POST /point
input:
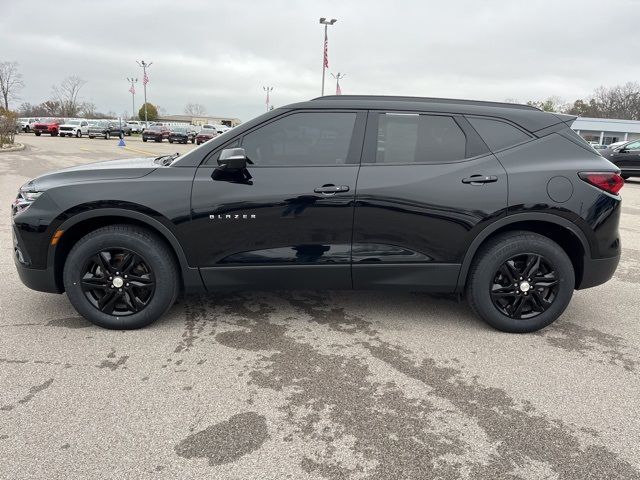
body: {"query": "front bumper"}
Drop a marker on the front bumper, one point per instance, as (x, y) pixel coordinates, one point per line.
(42, 280)
(597, 271)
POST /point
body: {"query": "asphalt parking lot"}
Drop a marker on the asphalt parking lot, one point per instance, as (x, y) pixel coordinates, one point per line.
(313, 384)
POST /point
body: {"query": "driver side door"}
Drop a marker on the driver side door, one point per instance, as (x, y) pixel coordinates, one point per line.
(286, 220)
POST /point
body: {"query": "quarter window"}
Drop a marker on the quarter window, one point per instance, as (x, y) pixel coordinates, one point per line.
(496, 134)
(413, 138)
(300, 139)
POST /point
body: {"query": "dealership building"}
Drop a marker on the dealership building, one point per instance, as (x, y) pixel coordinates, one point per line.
(605, 130)
(199, 120)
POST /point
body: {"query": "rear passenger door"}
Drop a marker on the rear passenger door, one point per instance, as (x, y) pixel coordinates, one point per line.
(426, 185)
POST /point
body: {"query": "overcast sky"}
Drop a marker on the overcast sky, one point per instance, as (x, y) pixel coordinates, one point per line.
(221, 53)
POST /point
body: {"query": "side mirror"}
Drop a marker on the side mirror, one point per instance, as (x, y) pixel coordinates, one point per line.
(233, 159)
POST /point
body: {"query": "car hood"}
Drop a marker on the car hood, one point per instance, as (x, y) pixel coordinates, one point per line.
(110, 170)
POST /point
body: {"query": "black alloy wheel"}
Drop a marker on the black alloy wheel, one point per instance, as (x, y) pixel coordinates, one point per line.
(118, 282)
(520, 281)
(524, 286)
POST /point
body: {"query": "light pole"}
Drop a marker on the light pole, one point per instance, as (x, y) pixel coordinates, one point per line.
(145, 80)
(133, 81)
(268, 89)
(325, 52)
(338, 77)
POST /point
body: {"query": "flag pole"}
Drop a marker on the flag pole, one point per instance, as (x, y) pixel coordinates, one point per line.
(325, 53)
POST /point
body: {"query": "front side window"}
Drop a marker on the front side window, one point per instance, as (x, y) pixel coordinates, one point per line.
(632, 146)
(413, 138)
(302, 139)
(496, 134)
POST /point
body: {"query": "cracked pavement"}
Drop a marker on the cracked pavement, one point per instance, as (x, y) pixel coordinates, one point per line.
(302, 385)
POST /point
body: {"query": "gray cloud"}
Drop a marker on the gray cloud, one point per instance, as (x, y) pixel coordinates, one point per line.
(221, 53)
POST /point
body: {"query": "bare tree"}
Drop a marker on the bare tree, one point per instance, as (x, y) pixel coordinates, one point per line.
(195, 109)
(67, 94)
(10, 82)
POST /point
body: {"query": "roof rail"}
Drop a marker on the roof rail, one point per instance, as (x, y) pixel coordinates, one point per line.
(457, 101)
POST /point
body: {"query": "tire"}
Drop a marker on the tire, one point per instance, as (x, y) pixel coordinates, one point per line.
(152, 252)
(144, 139)
(170, 141)
(158, 139)
(193, 140)
(121, 135)
(78, 134)
(54, 133)
(38, 133)
(92, 137)
(486, 277)
(107, 136)
(625, 177)
(27, 129)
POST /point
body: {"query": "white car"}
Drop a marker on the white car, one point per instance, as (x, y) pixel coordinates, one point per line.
(75, 128)
(26, 123)
(136, 127)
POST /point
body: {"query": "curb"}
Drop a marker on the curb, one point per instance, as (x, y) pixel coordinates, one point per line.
(15, 148)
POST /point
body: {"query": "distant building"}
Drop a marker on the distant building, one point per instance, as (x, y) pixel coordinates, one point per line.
(200, 120)
(605, 130)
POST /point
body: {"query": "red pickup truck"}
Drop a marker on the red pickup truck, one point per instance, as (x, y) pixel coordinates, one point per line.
(48, 125)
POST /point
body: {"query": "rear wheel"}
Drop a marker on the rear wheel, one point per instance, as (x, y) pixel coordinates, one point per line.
(38, 133)
(121, 277)
(626, 177)
(144, 139)
(520, 282)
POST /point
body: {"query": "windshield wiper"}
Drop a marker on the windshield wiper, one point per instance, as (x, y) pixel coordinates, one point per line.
(165, 160)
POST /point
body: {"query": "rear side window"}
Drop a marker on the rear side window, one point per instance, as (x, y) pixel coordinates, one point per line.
(300, 139)
(496, 134)
(413, 138)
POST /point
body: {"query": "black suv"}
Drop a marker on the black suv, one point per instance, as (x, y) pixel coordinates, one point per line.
(502, 202)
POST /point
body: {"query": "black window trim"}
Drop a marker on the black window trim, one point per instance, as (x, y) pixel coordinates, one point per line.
(355, 146)
(500, 119)
(371, 138)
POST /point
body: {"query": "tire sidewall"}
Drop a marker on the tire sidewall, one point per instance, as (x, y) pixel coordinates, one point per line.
(164, 275)
(488, 267)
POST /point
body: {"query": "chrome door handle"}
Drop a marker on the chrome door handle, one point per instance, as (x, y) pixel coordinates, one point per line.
(480, 179)
(331, 189)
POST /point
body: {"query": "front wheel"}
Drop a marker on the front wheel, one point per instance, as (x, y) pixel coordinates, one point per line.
(144, 139)
(520, 282)
(625, 177)
(38, 133)
(121, 277)
(107, 136)
(78, 134)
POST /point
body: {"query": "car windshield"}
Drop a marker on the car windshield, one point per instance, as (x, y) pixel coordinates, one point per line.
(74, 122)
(179, 129)
(154, 128)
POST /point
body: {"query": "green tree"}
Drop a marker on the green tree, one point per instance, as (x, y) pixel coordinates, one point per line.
(152, 112)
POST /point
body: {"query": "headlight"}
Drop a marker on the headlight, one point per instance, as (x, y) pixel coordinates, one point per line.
(26, 196)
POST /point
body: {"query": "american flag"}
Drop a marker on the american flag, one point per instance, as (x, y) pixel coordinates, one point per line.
(326, 50)
(132, 90)
(145, 79)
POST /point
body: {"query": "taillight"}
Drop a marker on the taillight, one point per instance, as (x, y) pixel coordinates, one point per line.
(610, 182)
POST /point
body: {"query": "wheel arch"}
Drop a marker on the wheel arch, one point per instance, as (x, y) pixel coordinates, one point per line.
(80, 224)
(562, 231)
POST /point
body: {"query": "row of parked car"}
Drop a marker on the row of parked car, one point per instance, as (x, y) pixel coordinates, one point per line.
(107, 129)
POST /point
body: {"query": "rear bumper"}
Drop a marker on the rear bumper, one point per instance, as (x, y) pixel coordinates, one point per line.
(597, 271)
